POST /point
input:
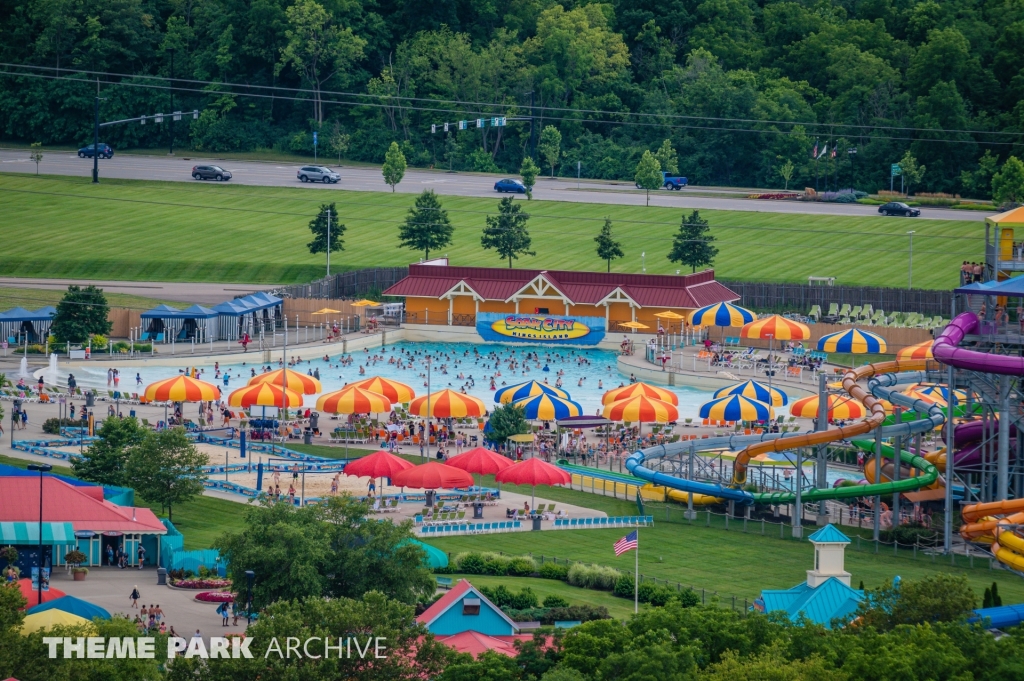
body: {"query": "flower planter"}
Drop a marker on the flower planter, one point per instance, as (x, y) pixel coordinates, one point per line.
(78, 576)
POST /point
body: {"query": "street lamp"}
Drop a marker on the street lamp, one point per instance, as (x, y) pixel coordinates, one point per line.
(249, 576)
(910, 274)
(643, 262)
(42, 468)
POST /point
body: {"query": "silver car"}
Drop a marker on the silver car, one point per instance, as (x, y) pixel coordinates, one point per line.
(317, 174)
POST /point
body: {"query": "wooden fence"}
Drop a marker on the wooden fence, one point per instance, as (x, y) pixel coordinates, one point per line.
(123, 319)
(305, 307)
(352, 284)
(801, 297)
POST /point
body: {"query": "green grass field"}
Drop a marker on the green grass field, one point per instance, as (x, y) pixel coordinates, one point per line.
(731, 563)
(124, 229)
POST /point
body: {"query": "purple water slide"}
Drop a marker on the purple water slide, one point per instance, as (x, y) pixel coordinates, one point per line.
(972, 431)
(946, 351)
(972, 455)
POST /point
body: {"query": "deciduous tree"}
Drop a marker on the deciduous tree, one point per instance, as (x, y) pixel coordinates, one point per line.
(648, 174)
(550, 146)
(80, 313)
(319, 227)
(394, 166)
(528, 171)
(105, 459)
(608, 248)
(1008, 183)
(166, 468)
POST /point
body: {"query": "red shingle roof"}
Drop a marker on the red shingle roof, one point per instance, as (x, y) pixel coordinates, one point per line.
(581, 288)
(19, 502)
(475, 643)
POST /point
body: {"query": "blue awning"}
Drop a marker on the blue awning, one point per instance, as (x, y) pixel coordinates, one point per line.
(28, 533)
(231, 308)
(163, 312)
(199, 312)
(1011, 287)
(20, 314)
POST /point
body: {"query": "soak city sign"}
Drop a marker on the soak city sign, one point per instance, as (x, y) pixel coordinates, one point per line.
(540, 328)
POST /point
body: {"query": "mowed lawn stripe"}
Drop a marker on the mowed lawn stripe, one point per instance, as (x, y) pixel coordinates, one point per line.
(125, 229)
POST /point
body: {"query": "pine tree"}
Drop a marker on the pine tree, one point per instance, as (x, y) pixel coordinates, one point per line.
(861, 587)
(506, 231)
(986, 601)
(997, 600)
(319, 227)
(607, 247)
(692, 244)
(427, 225)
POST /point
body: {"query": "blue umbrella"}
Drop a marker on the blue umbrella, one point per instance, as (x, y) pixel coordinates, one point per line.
(549, 408)
(521, 391)
(736, 408)
(75, 606)
(756, 391)
(721, 314)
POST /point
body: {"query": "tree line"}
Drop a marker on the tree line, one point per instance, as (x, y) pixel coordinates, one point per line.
(427, 228)
(824, 93)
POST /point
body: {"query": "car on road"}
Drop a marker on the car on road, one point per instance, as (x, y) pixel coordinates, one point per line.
(105, 151)
(510, 185)
(210, 173)
(668, 181)
(897, 208)
(317, 174)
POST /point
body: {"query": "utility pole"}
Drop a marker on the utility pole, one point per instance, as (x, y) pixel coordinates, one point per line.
(328, 242)
(96, 139)
(910, 274)
(533, 128)
(170, 149)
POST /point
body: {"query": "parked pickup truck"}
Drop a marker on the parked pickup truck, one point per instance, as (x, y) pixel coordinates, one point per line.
(670, 181)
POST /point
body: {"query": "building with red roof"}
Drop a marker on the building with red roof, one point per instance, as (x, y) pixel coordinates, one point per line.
(440, 294)
(73, 517)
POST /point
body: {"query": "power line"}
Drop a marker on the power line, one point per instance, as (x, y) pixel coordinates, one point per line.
(570, 118)
(654, 223)
(504, 106)
(822, 246)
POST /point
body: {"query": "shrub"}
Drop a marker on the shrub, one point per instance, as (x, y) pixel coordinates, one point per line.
(143, 347)
(496, 566)
(555, 602)
(80, 570)
(215, 596)
(554, 571)
(10, 554)
(75, 557)
(507, 599)
(624, 586)
(53, 426)
(521, 566)
(99, 341)
(583, 613)
(687, 598)
(592, 576)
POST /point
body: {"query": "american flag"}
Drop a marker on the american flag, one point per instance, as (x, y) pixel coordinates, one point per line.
(628, 543)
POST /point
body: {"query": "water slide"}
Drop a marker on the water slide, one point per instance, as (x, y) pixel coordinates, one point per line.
(753, 445)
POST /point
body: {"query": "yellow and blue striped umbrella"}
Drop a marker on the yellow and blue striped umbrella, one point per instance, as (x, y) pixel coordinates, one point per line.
(522, 391)
(756, 391)
(736, 408)
(549, 408)
(721, 314)
(853, 341)
(776, 327)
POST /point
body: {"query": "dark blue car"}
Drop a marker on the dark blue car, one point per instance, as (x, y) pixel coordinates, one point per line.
(510, 185)
(105, 151)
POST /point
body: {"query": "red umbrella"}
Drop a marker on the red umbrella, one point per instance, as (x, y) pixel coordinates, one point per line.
(32, 596)
(480, 460)
(533, 472)
(433, 475)
(378, 465)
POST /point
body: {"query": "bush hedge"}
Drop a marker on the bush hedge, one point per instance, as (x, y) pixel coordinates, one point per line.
(554, 571)
(52, 426)
(596, 577)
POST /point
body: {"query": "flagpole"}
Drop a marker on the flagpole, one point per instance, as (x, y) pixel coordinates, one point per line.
(636, 576)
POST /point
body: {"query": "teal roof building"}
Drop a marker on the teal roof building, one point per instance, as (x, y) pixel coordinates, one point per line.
(826, 594)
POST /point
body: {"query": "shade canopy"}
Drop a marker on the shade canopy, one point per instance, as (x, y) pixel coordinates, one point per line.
(364, 303)
(480, 460)
(736, 408)
(583, 422)
(721, 314)
(432, 475)
(378, 465)
(756, 391)
(642, 409)
(549, 408)
(853, 341)
(398, 393)
(669, 314)
(75, 606)
(300, 383)
(199, 312)
(28, 532)
(635, 389)
(918, 351)
(521, 391)
(448, 404)
(182, 389)
(20, 314)
(776, 327)
(533, 472)
(633, 325)
(32, 596)
(840, 407)
(163, 312)
(264, 395)
(352, 400)
(52, 618)
(326, 310)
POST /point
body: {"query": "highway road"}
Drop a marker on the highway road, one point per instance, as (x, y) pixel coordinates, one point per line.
(270, 174)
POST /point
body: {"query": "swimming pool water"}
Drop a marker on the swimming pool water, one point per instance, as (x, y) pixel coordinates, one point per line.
(586, 373)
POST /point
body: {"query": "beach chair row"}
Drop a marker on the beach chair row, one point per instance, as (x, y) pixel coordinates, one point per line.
(471, 528)
(615, 521)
